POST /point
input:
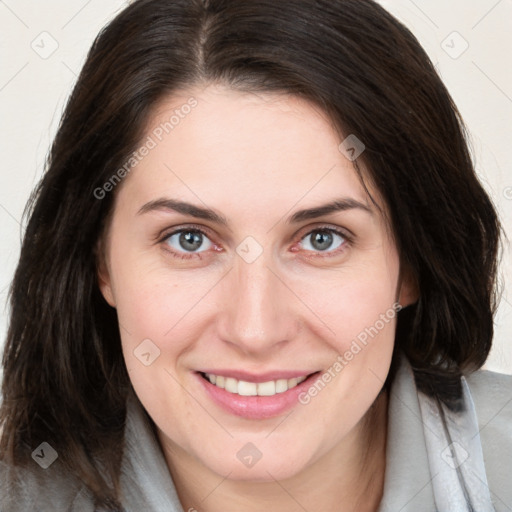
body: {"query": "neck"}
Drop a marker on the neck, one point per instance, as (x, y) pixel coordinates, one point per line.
(348, 478)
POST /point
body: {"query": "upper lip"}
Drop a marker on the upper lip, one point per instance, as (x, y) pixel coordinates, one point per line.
(258, 377)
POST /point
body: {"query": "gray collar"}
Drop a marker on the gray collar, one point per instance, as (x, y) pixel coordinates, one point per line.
(145, 479)
(432, 464)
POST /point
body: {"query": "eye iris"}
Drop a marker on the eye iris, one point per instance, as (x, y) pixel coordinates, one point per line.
(322, 240)
(193, 239)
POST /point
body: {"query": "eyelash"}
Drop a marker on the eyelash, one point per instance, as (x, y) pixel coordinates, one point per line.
(348, 240)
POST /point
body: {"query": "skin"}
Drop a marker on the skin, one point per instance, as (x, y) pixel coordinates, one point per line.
(256, 159)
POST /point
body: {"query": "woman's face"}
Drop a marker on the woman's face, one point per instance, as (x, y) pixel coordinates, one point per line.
(221, 259)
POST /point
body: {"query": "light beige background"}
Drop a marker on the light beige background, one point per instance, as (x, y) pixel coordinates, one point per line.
(43, 46)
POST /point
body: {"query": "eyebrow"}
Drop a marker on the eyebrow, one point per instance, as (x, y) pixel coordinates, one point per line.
(338, 205)
(343, 204)
(184, 208)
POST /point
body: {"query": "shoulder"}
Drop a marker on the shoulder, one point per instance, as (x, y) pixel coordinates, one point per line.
(25, 489)
(492, 395)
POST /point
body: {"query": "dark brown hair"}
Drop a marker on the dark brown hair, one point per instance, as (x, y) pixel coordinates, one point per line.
(64, 376)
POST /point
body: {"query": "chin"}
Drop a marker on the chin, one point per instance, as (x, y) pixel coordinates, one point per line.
(272, 464)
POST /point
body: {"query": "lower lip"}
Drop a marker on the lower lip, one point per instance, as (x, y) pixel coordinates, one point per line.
(255, 407)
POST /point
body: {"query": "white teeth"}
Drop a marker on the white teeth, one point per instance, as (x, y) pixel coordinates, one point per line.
(244, 388)
(231, 385)
(247, 388)
(292, 382)
(281, 385)
(267, 388)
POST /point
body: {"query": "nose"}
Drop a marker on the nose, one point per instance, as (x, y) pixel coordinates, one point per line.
(258, 311)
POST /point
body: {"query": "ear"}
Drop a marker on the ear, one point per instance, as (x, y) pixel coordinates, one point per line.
(408, 289)
(104, 275)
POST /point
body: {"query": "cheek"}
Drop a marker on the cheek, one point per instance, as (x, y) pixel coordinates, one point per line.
(350, 301)
(157, 304)
(154, 307)
(364, 322)
(153, 313)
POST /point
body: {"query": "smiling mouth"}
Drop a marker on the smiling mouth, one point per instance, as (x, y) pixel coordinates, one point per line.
(244, 388)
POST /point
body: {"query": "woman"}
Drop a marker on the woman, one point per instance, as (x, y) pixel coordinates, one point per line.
(259, 274)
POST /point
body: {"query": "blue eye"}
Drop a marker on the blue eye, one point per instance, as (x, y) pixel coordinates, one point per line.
(188, 241)
(324, 240)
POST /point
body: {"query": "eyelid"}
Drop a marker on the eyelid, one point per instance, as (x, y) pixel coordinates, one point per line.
(347, 235)
(166, 233)
(344, 232)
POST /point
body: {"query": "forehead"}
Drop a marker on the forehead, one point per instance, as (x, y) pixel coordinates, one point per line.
(239, 147)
